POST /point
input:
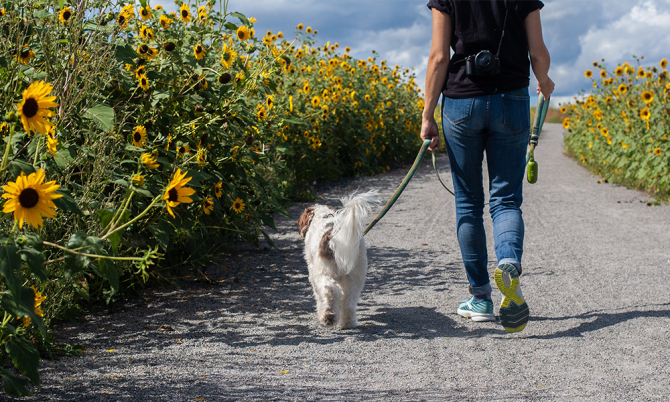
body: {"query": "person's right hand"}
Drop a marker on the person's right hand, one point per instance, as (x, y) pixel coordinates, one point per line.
(546, 87)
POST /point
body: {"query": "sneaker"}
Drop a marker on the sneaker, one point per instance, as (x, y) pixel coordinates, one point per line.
(481, 310)
(514, 312)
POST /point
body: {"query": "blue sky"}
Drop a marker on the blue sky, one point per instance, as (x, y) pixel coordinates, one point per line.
(577, 32)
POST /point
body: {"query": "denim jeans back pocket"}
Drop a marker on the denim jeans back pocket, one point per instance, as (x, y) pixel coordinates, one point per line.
(458, 110)
(516, 111)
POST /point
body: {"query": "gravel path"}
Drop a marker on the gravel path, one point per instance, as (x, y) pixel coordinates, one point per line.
(596, 274)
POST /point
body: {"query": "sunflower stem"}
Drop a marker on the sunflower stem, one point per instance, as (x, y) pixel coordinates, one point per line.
(134, 219)
(37, 150)
(11, 234)
(5, 157)
(119, 212)
(104, 257)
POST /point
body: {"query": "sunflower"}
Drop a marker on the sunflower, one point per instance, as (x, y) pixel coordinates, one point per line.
(165, 22)
(64, 15)
(645, 114)
(2, 12)
(25, 56)
(158, 7)
(647, 97)
(238, 205)
(147, 33)
(183, 150)
(228, 56)
(122, 20)
(262, 113)
(631, 103)
(588, 73)
(564, 109)
(202, 157)
(185, 13)
(208, 205)
(664, 63)
(33, 108)
(139, 135)
(138, 180)
(218, 190)
(243, 33)
(306, 88)
(316, 101)
(30, 199)
(308, 30)
(147, 51)
(149, 160)
(145, 12)
(270, 101)
(280, 35)
(199, 52)
(37, 302)
(603, 74)
(176, 193)
(618, 71)
(566, 123)
(144, 82)
(300, 27)
(658, 151)
(641, 73)
(622, 88)
(367, 98)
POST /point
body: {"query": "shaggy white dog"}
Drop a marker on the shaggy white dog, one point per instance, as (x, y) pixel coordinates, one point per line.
(336, 256)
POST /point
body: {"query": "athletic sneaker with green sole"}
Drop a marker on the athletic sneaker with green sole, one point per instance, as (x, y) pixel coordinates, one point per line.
(481, 310)
(514, 311)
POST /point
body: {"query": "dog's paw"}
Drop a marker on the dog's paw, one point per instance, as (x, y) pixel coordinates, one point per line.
(328, 318)
(348, 324)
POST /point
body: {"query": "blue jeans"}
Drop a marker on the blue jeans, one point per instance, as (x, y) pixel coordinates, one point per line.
(500, 126)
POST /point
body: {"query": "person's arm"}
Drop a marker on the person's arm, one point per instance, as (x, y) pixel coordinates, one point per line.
(436, 74)
(539, 55)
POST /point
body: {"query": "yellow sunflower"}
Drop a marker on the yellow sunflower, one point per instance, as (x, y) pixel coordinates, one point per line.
(262, 113)
(641, 73)
(147, 33)
(218, 190)
(228, 56)
(138, 180)
(25, 56)
(145, 13)
(623, 88)
(618, 71)
(238, 205)
(588, 73)
(183, 150)
(30, 199)
(122, 20)
(566, 123)
(647, 97)
(149, 160)
(176, 193)
(316, 101)
(64, 15)
(199, 52)
(664, 63)
(185, 13)
(165, 22)
(2, 12)
(37, 302)
(300, 27)
(308, 30)
(657, 151)
(139, 135)
(208, 205)
(33, 109)
(306, 88)
(144, 82)
(270, 101)
(280, 35)
(645, 114)
(243, 33)
(603, 74)
(202, 157)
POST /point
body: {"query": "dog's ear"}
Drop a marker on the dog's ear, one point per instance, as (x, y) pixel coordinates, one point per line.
(304, 221)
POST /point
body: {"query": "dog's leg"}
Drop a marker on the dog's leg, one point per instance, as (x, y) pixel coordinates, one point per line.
(329, 309)
(352, 286)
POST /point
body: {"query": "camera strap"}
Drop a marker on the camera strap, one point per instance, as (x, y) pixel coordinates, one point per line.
(503, 30)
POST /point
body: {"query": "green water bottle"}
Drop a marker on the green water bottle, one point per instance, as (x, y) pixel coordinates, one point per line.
(531, 171)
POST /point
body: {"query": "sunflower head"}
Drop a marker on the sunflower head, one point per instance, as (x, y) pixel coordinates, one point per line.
(25, 56)
(218, 190)
(29, 198)
(243, 33)
(664, 63)
(144, 82)
(645, 114)
(164, 21)
(185, 13)
(647, 97)
(139, 136)
(300, 27)
(238, 205)
(176, 192)
(64, 15)
(145, 13)
(34, 108)
(149, 160)
(199, 51)
(622, 88)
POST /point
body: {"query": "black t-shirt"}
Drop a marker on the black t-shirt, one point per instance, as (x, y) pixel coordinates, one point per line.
(478, 26)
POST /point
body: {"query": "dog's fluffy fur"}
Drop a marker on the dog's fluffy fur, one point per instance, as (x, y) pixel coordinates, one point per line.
(336, 256)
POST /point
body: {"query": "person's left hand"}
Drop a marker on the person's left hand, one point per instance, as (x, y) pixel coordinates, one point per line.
(429, 131)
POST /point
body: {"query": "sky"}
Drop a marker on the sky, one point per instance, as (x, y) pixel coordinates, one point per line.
(577, 32)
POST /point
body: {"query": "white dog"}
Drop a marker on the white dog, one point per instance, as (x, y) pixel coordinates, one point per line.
(336, 256)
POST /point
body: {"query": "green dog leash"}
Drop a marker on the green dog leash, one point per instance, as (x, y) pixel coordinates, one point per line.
(540, 115)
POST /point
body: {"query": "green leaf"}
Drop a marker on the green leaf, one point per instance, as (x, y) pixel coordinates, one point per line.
(160, 232)
(157, 97)
(41, 14)
(10, 262)
(241, 16)
(75, 263)
(269, 221)
(61, 3)
(267, 239)
(103, 116)
(125, 53)
(108, 270)
(25, 358)
(22, 304)
(230, 26)
(18, 166)
(14, 385)
(284, 150)
(66, 202)
(143, 3)
(35, 261)
(105, 215)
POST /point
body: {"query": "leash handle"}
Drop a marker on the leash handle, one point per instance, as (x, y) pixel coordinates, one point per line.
(540, 115)
(405, 181)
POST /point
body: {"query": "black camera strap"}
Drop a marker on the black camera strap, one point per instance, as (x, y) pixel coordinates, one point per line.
(503, 30)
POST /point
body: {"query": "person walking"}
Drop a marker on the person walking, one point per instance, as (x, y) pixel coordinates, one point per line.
(486, 109)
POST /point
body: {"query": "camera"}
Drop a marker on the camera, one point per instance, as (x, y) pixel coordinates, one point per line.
(483, 63)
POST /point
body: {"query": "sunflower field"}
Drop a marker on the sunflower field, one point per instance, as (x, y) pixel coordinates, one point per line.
(620, 130)
(137, 140)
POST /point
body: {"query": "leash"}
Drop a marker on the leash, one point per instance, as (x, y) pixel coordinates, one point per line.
(531, 165)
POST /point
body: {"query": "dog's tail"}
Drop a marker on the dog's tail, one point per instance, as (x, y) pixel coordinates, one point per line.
(348, 228)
